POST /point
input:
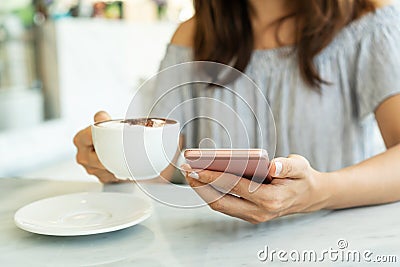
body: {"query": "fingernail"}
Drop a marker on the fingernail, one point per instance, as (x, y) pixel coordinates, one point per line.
(186, 167)
(194, 175)
(278, 168)
(191, 173)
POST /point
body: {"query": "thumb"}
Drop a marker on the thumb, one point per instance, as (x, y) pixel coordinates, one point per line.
(101, 116)
(294, 166)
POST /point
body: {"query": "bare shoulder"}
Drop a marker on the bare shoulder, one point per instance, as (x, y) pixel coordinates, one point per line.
(382, 3)
(184, 34)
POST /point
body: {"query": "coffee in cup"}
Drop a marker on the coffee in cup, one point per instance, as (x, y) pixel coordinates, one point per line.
(136, 148)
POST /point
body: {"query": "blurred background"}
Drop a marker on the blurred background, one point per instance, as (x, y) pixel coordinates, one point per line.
(63, 60)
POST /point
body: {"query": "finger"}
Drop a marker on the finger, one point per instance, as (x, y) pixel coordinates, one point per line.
(226, 183)
(93, 160)
(103, 175)
(228, 204)
(206, 192)
(107, 178)
(294, 166)
(88, 158)
(223, 182)
(83, 138)
(101, 116)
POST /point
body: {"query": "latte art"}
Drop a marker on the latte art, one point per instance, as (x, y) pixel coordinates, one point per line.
(146, 122)
(149, 122)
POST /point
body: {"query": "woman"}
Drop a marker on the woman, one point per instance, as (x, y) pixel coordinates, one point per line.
(341, 65)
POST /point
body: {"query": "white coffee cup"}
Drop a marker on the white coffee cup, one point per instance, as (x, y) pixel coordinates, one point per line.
(129, 149)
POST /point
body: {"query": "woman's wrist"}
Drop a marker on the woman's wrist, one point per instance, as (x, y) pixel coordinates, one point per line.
(327, 188)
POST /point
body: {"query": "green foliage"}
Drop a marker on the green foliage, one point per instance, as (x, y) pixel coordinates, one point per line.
(26, 15)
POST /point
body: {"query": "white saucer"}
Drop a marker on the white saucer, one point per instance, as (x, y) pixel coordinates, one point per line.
(83, 214)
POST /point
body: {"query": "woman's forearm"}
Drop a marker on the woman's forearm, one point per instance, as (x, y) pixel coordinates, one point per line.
(373, 181)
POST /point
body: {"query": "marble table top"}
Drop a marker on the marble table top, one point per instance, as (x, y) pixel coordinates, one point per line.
(200, 236)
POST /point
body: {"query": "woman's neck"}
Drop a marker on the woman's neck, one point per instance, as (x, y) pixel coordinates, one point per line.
(265, 15)
(266, 12)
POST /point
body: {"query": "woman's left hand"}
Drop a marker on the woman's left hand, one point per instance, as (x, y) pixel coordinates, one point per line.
(295, 188)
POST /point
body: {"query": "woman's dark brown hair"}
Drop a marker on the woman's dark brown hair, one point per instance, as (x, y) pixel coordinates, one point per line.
(224, 31)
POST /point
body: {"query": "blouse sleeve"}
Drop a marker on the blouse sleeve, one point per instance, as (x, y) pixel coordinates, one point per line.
(378, 68)
(175, 54)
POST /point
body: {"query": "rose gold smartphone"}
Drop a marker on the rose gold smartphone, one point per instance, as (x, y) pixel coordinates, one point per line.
(248, 163)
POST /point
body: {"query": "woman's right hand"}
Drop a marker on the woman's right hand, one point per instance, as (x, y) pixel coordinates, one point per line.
(86, 155)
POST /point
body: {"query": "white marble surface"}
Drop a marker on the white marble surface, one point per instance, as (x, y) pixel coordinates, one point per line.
(189, 237)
